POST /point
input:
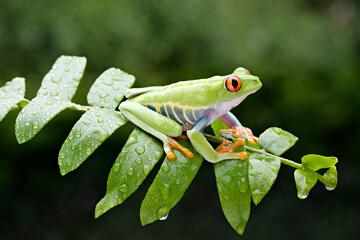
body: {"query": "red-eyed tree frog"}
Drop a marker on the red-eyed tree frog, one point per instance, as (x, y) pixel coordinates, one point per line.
(190, 106)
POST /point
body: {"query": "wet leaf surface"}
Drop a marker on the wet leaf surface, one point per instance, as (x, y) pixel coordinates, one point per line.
(137, 158)
(169, 185)
(90, 131)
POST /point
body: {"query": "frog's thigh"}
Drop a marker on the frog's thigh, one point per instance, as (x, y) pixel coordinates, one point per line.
(150, 121)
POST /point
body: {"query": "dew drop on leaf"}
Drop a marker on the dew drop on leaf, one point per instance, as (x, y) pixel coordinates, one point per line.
(138, 161)
(123, 188)
(140, 150)
(130, 171)
(146, 169)
(117, 167)
(165, 168)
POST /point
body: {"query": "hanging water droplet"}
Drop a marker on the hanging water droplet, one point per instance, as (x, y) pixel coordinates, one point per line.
(329, 188)
(302, 194)
(123, 188)
(162, 218)
(140, 150)
(117, 167)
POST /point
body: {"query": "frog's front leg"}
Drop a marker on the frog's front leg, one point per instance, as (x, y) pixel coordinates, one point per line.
(201, 145)
(156, 124)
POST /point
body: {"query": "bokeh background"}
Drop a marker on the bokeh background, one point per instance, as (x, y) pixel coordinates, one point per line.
(306, 53)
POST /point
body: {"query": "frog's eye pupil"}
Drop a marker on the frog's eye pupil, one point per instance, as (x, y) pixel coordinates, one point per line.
(235, 83)
(232, 83)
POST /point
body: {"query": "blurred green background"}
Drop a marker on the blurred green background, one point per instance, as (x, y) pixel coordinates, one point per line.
(306, 53)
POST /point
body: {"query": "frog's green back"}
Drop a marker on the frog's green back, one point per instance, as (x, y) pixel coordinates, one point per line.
(195, 93)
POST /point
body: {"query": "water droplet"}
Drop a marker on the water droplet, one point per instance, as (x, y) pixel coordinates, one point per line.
(35, 112)
(130, 141)
(103, 94)
(302, 194)
(130, 171)
(62, 156)
(67, 69)
(118, 98)
(73, 147)
(146, 169)
(165, 168)
(138, 161)
(329, 188)
(123, 188)
(88, 151)
(27, 123)
(117, 167)
(140, 150)
(226, 197)
(100, 120)
(54, 93)
(36, 125)
(177, 181)
(162, 218)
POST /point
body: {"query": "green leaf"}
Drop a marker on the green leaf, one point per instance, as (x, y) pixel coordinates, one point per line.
(36, 115)
(10, 95)
(109, 88)
(92, 129)
(57, 89)
(276, 140)
(63, 78)
(138, 157)
(316, 162)
(305, 180)
(169, 185)
(330, 177)
(263, 170)
(217, 125)
(233, 186)
(234, 192)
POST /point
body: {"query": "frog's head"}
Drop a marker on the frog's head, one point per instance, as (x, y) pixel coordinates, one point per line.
(237, 86)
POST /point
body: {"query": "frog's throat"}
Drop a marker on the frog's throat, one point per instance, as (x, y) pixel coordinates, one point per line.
(224, 107)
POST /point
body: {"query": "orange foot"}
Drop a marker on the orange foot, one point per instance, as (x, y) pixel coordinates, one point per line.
(242, 131)
(225, 148)
(174, 144)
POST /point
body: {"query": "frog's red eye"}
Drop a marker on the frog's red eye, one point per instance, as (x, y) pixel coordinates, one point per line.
(247, 71)
(232, 83)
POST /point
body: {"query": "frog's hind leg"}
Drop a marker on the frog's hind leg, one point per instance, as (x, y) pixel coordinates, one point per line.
(156, 124)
